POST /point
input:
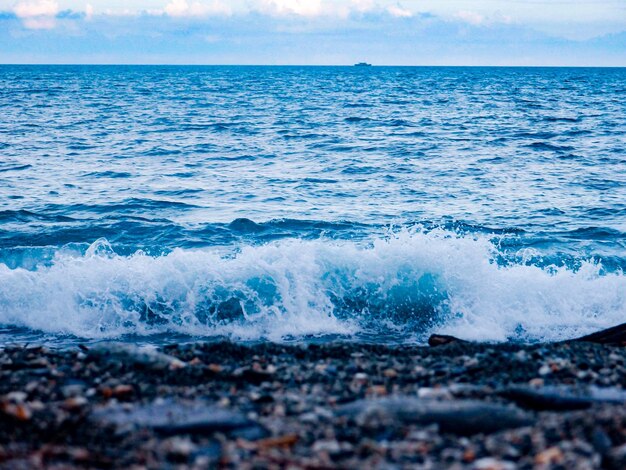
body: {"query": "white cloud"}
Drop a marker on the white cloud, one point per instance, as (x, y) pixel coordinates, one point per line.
(88, 11)
(478, 19)
(179, 8)
(293, 7)
(331, 8)
(37, 14)
(362, 6)
(399, 12)
(471, 17)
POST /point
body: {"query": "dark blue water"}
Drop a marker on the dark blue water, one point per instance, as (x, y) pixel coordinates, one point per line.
(289, 203)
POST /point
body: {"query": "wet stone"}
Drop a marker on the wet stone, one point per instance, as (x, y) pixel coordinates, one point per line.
(464, 417)
(560, 398)
(130, 354)
(171, 418)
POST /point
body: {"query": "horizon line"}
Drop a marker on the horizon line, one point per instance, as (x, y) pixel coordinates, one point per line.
(165, 64)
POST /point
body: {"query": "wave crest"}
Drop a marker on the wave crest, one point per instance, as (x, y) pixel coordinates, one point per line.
(400, 288)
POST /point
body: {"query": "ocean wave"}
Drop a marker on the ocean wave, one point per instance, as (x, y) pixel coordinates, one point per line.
(402, 286)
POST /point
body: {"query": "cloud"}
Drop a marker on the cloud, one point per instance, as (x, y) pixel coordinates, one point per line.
(470, 17)
(477, 19)
(292, 7)
(324, 8)
(362, 6)
(399, 12)
(315, 8)
(37, 14)
(181, 8)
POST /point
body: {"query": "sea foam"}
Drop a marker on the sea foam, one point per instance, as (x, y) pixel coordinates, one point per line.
(400, 287)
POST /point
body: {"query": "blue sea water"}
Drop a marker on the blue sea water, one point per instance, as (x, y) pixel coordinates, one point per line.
(311, 203)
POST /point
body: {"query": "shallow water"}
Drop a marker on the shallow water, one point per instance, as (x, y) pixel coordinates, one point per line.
(287, 203)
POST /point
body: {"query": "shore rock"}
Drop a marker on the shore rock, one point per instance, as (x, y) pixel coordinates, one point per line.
(172, 418)
(134, 355)
(559, 398)
(464, 417)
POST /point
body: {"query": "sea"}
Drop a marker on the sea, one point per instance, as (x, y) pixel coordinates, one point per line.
(161, 204)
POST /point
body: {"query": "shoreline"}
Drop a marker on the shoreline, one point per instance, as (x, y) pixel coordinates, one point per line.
(334, 405)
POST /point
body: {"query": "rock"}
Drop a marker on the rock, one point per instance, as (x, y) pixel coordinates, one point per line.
(600, 441)
(251, 375)
(377, 390)
(329, 446)
(616, 458)
(18, 411)
(550, 456)
(463, 417)
(282, 441)
(134, 355)
(72, 390)
(208, 455)
(123, 391)
(438, 393)
(172, 418)
(562, 398)
(16, 397)
(613, 336)
(178, 449)
(545, 370)
(489, 463)
(440, 340)
(74, 403)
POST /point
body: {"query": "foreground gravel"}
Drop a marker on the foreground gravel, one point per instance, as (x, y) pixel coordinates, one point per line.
(314, 406)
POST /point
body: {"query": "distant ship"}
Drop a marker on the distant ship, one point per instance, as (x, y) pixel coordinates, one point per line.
(362, 64)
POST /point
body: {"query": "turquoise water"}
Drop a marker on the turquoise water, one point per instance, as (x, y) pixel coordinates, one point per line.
(316, 203)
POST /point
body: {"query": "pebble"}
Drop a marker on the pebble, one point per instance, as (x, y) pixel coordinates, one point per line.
(489, 463)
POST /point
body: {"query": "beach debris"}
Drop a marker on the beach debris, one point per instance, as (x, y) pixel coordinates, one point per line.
(563, 397)
(612, 336)
(464, 417)
(134, 355)
(172, 418)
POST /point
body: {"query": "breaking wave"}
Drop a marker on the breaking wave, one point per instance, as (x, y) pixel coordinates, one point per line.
(396, 288)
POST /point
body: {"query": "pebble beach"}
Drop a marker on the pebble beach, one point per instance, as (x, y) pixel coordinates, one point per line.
(224, 405)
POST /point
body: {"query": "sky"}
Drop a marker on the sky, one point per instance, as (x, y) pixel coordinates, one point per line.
(315, 32)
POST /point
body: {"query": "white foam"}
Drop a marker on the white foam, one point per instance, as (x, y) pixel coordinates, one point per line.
(289, 289)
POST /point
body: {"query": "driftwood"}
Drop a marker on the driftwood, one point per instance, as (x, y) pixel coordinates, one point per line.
(614, 336)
